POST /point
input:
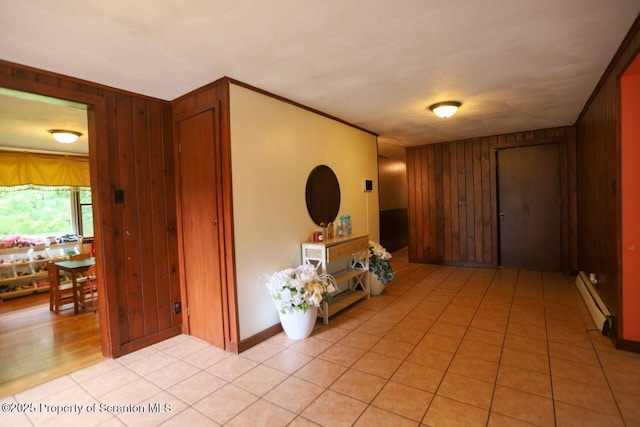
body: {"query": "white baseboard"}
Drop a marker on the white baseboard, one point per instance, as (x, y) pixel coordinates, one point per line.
(597, 308)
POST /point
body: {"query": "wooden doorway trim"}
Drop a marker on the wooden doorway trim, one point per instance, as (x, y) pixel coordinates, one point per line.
(97, 125)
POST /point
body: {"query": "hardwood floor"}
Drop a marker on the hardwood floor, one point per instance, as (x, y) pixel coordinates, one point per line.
(37, 345)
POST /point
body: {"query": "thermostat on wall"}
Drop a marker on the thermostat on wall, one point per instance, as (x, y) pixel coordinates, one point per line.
(368, 185)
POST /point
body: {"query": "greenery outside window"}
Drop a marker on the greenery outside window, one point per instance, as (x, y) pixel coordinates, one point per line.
(85, 212)
(46, 211)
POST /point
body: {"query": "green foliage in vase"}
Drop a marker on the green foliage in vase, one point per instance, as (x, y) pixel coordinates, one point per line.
(379, 262)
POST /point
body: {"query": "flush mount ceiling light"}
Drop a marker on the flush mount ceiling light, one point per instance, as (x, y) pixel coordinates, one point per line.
(65, 136)
(445, 109)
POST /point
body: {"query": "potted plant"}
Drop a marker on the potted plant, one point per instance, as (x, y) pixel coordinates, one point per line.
(380, 270)
(297, 293)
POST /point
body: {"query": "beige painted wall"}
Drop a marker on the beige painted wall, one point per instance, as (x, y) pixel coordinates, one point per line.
(274, 146)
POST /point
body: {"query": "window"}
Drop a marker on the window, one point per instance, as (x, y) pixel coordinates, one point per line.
(43, 211)
(85, 212)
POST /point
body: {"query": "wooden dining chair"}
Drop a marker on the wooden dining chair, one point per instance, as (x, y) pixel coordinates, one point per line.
(90, 289)
(58, 294)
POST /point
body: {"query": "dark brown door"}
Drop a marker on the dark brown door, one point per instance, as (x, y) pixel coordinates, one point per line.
(198, 177)
(529, 207)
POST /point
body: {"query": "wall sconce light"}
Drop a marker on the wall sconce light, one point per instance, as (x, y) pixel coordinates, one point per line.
(65, 136)
(445, 109)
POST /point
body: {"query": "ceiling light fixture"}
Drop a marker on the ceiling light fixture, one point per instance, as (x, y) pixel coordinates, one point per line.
(445, 109)
(65, 136)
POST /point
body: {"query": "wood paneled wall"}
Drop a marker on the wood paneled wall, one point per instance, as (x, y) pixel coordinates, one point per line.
(452, 198)
(131, 148)
(599, 174)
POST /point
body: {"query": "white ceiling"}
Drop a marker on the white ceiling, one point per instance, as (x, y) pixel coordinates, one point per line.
(25, 120)
(514, 64)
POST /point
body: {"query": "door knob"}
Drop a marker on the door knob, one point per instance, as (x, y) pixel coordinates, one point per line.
(501, 215)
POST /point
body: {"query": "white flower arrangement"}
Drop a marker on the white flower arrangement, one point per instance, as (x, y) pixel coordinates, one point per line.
(299, 288)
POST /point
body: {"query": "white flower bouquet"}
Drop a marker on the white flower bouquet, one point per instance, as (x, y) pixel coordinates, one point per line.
(299, 288)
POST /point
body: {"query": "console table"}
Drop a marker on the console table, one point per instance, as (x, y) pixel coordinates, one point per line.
(355, 251)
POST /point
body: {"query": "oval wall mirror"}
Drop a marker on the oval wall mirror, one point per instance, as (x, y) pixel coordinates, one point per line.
(323, 195)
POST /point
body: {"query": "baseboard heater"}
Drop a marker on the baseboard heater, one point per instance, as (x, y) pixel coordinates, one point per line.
(599, 311)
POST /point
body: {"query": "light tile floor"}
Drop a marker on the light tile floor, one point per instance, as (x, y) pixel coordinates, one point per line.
(442, 346)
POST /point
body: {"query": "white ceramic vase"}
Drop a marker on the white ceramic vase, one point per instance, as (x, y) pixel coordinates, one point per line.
(375, 285)
(297, 324)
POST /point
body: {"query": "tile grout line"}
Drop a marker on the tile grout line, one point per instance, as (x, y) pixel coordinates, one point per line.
(546, 331)
(388, 380)
(504, 338)
(435, 393)
(550, 313)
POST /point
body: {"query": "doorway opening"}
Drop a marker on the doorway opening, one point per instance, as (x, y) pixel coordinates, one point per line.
(36, 344)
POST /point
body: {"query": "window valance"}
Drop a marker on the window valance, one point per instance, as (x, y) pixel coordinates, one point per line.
(35, 169)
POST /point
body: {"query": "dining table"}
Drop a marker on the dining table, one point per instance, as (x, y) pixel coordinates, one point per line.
(74, 268)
